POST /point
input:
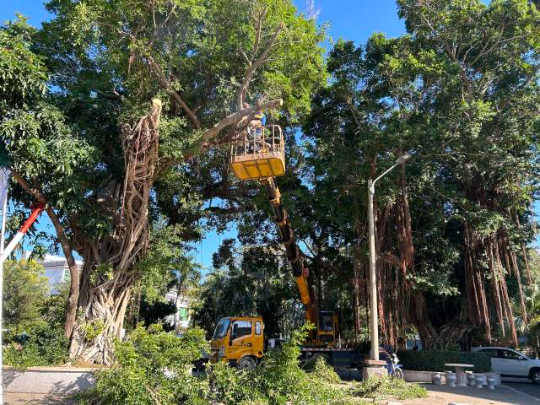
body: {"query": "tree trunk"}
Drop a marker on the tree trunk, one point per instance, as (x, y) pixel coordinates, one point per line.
(103, 318)
(108, 273)
(358, 279)
(73, 299)
(419, 310)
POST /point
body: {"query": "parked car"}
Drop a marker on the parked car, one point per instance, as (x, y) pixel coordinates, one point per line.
(511, 363)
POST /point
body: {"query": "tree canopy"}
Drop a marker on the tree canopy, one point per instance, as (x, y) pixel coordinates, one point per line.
(26, 290)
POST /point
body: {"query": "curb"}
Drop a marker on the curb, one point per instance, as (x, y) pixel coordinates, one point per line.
(52, 381)
(521, 393)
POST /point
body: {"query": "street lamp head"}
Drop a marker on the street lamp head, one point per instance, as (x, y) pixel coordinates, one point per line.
(402, 159)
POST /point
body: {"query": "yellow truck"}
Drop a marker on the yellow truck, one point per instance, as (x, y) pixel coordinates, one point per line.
(240, 340)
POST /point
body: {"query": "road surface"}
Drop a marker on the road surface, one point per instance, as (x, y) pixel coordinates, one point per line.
(523, 385)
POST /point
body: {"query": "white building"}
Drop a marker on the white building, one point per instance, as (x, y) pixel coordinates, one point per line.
(57, 271)
(182, 314)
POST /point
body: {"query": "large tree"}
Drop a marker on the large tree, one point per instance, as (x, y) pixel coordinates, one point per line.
(250, 280)
(483, 136)
(114, 173)
(460, 93)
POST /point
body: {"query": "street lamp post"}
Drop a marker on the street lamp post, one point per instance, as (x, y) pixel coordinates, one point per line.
(374, 319)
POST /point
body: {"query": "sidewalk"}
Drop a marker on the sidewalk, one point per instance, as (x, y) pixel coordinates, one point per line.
(502, 395)
(35, 399)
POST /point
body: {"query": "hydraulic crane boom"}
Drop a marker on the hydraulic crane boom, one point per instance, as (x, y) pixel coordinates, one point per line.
(292, 250)
(260, 155)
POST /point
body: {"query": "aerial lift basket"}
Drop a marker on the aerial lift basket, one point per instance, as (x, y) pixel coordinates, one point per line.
(259, 153)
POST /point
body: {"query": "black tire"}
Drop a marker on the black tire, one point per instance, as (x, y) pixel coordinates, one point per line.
(534, 375)
(398, 373)
(247, 363)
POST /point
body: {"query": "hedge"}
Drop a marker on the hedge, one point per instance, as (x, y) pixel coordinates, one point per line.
(423, 360)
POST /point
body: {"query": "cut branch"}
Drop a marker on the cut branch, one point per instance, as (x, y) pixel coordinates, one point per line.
(234, 119)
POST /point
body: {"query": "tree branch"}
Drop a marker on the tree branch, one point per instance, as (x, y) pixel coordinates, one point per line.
(234, 119)
(255, 64)
(176, 97)
(262, 15)
(73, 299)
(209, 135)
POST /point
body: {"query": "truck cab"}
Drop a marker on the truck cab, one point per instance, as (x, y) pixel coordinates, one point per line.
(239, 340)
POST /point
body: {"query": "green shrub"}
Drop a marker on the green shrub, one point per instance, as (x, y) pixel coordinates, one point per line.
(279, 380)
(424, 360)
(283, 381)
(228, 386)
(325, 372)
(42, 347)
(389, 388)
(152, 367)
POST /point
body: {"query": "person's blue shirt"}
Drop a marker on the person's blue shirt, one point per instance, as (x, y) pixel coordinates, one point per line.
(261, 117)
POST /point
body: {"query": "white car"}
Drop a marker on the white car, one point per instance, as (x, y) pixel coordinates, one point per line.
(511, 363)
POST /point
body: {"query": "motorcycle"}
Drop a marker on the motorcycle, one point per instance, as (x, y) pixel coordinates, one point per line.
(392, 363)
(395, 369)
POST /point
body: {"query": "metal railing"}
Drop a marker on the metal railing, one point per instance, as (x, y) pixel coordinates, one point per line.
(256, 141)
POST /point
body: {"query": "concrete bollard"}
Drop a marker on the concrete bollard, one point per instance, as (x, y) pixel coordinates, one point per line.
(436, 379)
(451, 379)
(480, 381)
(471, 380)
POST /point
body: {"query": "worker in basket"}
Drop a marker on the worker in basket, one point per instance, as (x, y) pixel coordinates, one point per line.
(255, 130)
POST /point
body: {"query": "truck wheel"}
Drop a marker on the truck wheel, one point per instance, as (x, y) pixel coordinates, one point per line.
(535, 375)
(246, 363)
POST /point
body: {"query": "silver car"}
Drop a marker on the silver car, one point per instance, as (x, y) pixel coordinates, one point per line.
(511, 363)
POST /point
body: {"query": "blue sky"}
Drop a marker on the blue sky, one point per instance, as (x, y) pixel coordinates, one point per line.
(350, 19)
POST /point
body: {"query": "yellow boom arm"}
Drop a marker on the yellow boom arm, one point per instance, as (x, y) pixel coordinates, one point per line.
(292, 250)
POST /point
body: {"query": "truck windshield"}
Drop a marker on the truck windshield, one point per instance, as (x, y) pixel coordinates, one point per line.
(222, 328)
(325, 322)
